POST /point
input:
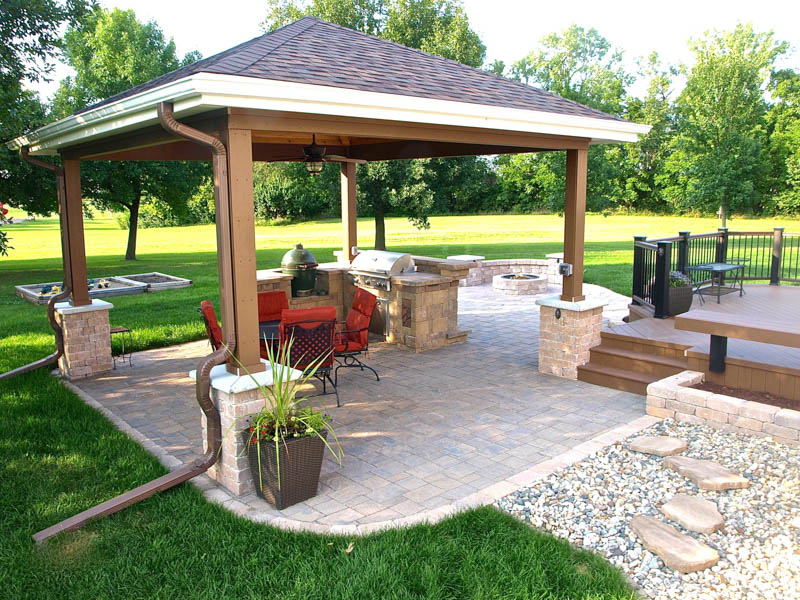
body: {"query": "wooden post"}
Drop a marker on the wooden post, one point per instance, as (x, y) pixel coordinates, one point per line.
(683, 252)
(243, 295)
(349, 211)
(574, 223)
(661, 286)
(721, 252)
(777, 254)
(638, 268)
(72, 235)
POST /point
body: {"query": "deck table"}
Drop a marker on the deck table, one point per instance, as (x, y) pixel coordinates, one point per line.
(718, 272)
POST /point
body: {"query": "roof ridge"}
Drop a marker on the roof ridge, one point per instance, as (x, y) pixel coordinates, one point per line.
(460, 64)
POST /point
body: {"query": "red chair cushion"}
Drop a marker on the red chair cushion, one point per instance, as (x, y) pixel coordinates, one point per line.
(213, 330)
(271, 305)
(356, 326)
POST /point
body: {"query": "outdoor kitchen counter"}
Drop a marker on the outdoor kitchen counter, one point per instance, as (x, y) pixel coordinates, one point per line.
(423, 307)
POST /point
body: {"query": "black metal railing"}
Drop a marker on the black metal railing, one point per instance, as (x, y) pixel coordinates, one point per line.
(772, 256)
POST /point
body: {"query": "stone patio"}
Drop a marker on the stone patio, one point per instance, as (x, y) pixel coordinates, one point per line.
(444, 430)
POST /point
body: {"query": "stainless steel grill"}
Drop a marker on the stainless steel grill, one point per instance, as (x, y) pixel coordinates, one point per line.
(375, 268)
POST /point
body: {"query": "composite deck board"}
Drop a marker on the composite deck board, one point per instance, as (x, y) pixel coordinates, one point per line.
(773, 306)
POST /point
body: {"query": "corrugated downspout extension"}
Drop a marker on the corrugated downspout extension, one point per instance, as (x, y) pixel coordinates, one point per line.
(203, 382)
(51, 313)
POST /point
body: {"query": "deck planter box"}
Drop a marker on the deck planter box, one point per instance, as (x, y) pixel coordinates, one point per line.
(680, 300)
(301, 462)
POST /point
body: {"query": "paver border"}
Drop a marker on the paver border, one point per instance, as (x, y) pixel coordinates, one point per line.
(483, 497)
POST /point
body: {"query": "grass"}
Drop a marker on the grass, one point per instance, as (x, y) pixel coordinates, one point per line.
(60, 456)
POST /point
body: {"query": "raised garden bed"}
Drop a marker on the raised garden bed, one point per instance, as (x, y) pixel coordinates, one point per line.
(159, 281)
(763, 397)
(40, 293)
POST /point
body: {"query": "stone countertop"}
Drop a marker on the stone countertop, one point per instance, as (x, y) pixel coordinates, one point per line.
(419, 279)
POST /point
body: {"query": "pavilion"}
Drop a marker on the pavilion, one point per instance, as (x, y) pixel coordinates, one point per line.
(361, 96)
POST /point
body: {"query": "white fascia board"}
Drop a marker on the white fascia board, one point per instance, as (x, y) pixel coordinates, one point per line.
(208, 91)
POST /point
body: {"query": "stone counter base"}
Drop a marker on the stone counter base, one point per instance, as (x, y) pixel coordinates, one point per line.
(673, 398)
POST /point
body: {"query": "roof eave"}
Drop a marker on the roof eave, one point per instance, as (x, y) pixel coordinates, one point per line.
(208, 91)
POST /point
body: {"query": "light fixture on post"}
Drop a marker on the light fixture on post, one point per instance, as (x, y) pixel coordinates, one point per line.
(314, 157)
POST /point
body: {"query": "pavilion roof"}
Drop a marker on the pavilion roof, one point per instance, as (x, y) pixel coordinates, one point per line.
(312, 51)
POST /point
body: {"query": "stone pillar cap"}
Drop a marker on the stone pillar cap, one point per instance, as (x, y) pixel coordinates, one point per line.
(583, 305)
(231, 383)
(66, 308)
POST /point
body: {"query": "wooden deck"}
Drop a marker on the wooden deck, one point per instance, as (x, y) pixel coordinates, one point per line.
(648, 343)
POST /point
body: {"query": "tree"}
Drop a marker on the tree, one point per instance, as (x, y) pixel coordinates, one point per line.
(111, 53)
(717, 157)
(641, 163)
(783, 121)
(580, 65)
(439, 27)
(30, 33)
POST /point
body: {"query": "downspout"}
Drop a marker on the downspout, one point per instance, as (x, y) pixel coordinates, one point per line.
(218, 357)
(63, 295)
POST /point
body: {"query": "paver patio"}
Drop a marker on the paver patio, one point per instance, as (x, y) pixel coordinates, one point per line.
(441, 429)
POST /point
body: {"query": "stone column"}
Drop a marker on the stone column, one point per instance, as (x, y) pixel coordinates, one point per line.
(87, 339)
(567, 331)
(236, 397)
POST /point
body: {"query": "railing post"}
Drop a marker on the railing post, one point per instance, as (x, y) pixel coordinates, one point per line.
(638, 267)
(777, 254)
(683, 251)
(722, 245)
(661, 288)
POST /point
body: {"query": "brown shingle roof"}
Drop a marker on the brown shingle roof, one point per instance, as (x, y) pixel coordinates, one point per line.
(316, 52)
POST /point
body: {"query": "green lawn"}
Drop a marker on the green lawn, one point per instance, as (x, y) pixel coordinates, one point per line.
(60, 456)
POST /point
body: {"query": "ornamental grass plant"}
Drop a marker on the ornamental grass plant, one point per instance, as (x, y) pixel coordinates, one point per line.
(283, 417)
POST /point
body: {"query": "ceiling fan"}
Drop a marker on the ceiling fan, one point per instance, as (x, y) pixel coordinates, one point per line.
(314, 157)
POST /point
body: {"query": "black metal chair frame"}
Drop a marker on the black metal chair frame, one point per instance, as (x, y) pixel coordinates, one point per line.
(298, 333)
(350, 358)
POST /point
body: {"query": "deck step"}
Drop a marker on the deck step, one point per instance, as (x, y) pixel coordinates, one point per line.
(640, 362)
(618, 379)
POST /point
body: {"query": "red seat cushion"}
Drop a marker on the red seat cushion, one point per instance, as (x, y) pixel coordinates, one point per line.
(356, 327)
(213, 330)
(271, 305)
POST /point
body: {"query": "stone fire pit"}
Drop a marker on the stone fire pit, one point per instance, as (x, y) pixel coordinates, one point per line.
(519, 284)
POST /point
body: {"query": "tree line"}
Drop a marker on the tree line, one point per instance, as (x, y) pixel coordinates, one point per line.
(725, 128)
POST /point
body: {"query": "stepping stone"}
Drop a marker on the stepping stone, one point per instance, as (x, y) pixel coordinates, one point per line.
(660, 445)
(678, 551)
(694, 512)
(706, 474)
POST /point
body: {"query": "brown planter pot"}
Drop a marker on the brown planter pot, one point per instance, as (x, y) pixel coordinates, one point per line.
(680, 300)
(300, 461)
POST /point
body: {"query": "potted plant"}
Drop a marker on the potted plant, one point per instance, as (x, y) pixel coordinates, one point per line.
(284, 441)
(680, 293)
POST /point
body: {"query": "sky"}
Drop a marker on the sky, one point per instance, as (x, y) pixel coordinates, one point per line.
(510, 29)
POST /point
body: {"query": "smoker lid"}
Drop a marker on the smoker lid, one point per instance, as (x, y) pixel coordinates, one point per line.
(299, 258)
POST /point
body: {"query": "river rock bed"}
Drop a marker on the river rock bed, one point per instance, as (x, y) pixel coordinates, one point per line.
(592, 502)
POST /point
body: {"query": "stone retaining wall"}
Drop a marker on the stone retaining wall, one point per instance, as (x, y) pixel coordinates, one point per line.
(673, 398)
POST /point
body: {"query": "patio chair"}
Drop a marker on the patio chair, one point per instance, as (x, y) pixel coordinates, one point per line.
(312, 330)
(270, 307)
(352, 339)
(213, 330)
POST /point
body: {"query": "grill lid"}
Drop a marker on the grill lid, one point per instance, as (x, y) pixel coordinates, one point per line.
(382, 263)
